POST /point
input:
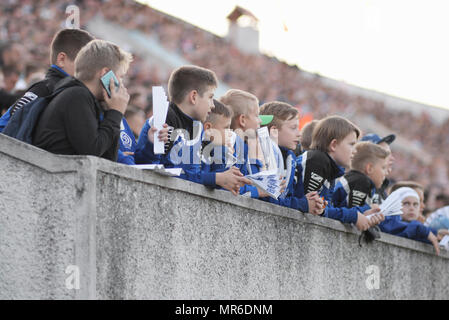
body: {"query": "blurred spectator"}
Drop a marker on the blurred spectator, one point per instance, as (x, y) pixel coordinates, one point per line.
(135, 118)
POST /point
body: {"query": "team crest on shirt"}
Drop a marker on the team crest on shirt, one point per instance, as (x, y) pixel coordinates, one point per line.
(126, 140)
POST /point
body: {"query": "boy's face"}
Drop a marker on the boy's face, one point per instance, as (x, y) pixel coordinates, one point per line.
(421, 200)
(204, 104)
(252, 120)
(344, 150)
(217, 130)
(410, 209)
(289, 134)
(377, 172)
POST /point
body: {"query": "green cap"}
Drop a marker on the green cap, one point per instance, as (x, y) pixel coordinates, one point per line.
(266, 119)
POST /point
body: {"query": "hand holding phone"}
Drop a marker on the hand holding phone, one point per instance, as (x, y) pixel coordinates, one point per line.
(106, 79)
(119, 100)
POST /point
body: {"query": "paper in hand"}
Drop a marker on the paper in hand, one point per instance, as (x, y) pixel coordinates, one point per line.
(268, 181)
(160, 109)
(393, 204)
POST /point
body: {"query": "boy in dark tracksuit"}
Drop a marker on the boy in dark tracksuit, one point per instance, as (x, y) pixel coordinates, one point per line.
(285, 126)
(358, 187)
(64, 48)
(384, 142)
(191, 91)
(317, 169)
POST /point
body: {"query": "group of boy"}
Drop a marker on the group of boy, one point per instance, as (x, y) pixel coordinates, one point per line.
(215, 141)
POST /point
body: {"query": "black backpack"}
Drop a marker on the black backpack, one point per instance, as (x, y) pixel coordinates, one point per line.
(22, 123)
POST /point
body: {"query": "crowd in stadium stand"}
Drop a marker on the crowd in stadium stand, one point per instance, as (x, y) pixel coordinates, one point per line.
(27, 27)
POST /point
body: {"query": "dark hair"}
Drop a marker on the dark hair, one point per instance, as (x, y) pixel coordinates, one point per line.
(69, 41)
(188, 78)
(219, 109)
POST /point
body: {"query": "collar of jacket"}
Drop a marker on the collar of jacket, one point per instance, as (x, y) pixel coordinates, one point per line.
(285, 153)
(56, 71)
(362, 176)
(336, 170)
(180, 113)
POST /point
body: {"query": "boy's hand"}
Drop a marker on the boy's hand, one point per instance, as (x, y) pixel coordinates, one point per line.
(442, 233)
(374, 216)
(316, 204)
(119, 99)
(363, 222)
(163, 133)
(432, 238)
(231, 180)
(263, 194)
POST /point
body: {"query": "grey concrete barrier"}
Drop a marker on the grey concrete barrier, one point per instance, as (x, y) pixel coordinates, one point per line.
(80, 227)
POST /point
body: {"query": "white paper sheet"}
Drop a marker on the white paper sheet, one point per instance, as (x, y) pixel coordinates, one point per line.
(160, 109)
(268, 181)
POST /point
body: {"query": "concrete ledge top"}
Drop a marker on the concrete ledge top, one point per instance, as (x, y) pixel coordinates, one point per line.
(61, 163)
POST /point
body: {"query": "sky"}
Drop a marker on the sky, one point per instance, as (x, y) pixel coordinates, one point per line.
(397, 47)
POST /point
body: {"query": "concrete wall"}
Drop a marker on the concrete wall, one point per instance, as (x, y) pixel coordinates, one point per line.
(135, 234)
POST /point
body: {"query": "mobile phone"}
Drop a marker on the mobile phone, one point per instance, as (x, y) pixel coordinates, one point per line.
(106, 79)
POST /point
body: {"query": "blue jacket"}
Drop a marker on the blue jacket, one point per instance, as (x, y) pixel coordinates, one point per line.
(246, 166)
(127, 144)
(317, 171)
(218, 159)
(180, 150)
(354, 189)
(287, 198)
(4, 119)
(412, 230)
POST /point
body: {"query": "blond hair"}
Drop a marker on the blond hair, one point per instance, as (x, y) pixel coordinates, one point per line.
(281, 112)
(99, 54)
(330, 128)
(239, 101)
(367, 152)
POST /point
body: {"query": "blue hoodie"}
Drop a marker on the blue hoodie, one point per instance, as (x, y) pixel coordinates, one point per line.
(217, 159)
(317, 171)
(412, 230)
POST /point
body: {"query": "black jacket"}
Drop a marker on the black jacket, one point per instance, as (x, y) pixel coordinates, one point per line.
(75, 124)
(354, 189)
(39, 89)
